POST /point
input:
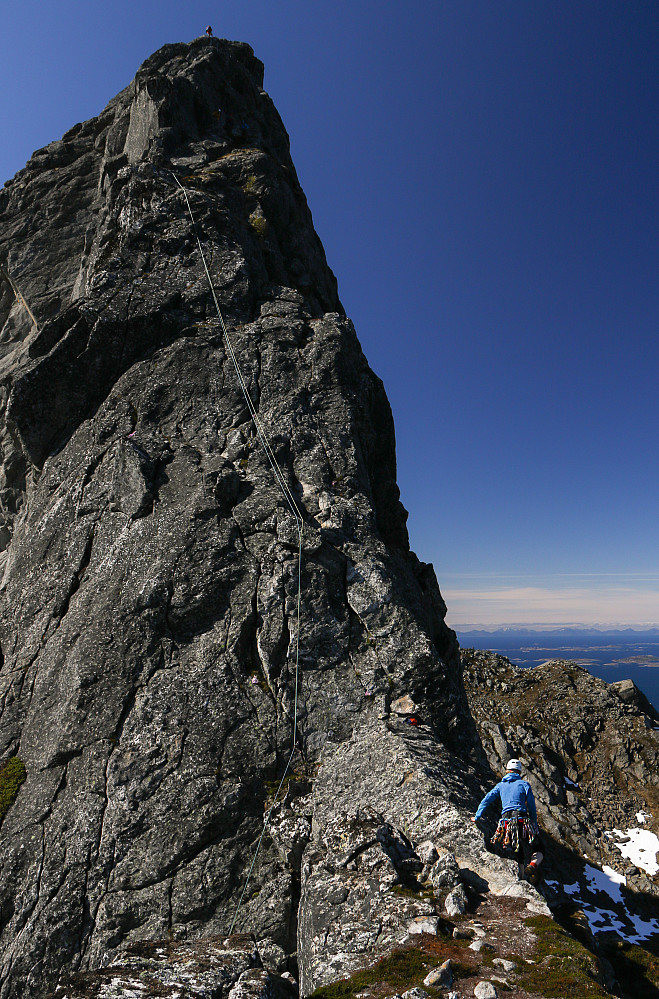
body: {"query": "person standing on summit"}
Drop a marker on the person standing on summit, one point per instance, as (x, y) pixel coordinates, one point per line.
(518, 825)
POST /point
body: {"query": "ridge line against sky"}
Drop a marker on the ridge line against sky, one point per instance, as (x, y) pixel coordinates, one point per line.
(550, 627)
(485, 180)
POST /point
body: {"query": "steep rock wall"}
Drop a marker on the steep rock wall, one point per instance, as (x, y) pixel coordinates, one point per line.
(148, 597)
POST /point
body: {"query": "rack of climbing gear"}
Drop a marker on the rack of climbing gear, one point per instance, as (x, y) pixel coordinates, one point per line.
(512, 829)
(292, 505)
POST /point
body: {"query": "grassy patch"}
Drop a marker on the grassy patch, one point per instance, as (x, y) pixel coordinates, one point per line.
(272, 786)
(259, 225)
(399, 971)
(299, 780)
(565, 969)
(636, 969)
(12, 775)
(413, 890)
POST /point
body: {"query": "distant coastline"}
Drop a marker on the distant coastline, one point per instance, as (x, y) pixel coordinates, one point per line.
(639, 660)
(611, 655)
(558, 630)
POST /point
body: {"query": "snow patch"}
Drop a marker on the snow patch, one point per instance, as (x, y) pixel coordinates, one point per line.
(608, 882)
(641, 817)
(640, 846)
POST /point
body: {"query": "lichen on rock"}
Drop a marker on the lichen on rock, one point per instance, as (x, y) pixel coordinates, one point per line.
(150, 562)
(151, 678)
(12, 775)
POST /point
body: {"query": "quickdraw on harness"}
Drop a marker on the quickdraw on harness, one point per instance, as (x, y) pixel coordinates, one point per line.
(513, 828)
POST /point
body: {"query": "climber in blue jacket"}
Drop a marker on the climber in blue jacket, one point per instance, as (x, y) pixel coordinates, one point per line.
(518, 825)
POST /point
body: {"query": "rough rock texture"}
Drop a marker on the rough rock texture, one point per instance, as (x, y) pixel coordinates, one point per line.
(148, 602)
(150, 563)
(389, 790)
(208, 969)
(590, 750)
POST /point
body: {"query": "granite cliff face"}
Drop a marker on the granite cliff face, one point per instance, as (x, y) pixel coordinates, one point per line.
(150, 564)
(148, 605)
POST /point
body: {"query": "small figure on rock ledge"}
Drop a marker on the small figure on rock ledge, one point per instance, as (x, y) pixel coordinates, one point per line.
(209, 31)
(518, 825)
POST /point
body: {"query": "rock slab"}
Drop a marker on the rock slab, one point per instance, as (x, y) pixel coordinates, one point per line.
(148, 596)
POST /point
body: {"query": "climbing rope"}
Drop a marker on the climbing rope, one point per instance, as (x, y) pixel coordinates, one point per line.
(290, 500)
(17, 294)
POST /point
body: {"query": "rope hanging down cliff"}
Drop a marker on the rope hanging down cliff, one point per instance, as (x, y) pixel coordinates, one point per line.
(4, 276)
(290, 500)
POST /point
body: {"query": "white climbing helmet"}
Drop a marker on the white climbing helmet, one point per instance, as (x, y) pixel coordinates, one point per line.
(515, 765)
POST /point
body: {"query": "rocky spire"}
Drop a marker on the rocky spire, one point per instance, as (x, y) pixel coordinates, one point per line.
(147, 608)
(148, 614)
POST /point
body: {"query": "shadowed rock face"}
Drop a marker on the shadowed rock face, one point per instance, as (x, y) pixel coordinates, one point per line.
(148, 599)
(148, 607)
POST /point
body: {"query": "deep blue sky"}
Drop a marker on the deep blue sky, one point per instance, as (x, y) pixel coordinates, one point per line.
(484, 175)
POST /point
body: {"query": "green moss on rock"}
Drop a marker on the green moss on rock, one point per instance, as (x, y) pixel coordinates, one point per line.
(636, 969)
(12, 775)
(399, 971)
(564, 968)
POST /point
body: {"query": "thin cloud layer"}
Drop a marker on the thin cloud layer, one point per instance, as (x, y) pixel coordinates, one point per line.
(589, 605)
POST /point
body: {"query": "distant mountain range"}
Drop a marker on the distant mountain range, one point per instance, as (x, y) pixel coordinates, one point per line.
(568, 631)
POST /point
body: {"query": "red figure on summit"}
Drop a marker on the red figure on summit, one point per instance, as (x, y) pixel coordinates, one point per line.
(209, 31)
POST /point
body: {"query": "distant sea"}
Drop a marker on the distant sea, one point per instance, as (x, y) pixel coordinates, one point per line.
(611, 656)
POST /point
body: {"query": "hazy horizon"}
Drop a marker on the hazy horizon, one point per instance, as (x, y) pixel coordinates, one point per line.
(549, 600)
(604, 629)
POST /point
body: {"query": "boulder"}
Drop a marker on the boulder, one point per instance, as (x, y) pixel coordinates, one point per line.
(445, 873)
(441, 977)
(456, 902)
(485, 990)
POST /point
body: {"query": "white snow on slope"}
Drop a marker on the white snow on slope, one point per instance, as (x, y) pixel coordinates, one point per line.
(640, 846)
(606, 880)
(607, 884)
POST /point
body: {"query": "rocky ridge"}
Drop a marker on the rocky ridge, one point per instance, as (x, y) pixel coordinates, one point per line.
(149, 593)
(148, 600)
(590, 776)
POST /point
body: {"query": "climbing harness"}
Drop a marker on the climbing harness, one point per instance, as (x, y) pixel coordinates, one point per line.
(512, 830)
(290, 500)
